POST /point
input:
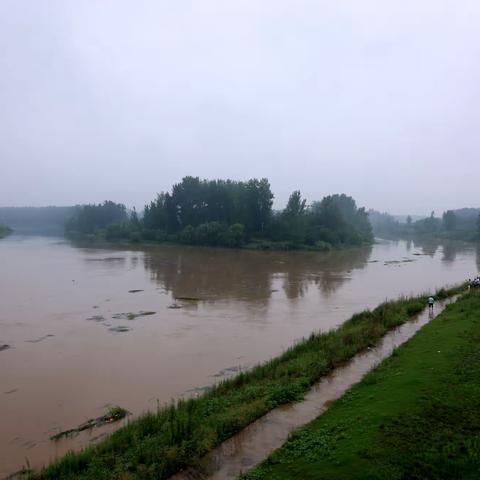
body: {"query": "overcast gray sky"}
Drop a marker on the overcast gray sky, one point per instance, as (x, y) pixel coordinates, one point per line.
(119, 99)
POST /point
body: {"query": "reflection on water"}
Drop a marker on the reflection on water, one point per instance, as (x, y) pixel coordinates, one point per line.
(244, 275)
(449, 252)
(249, 306)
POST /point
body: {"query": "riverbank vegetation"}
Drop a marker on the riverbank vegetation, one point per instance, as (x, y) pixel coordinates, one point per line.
(159, 444)
(230, 214)
(462, 224)
(416, 416)
(90, 219)
(4, 231)
(36, 220)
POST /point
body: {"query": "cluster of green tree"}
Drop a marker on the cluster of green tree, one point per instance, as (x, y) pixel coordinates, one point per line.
(36, 220)
(335, 220)
(462, 224)
(230, 213)
(194, 202)
(90, 219)
(4, 231)
(385, 225)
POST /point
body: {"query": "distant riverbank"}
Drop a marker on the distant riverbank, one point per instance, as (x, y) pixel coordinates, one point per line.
(4, 231)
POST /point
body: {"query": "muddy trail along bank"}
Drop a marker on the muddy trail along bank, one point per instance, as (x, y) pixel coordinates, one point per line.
(257, 441)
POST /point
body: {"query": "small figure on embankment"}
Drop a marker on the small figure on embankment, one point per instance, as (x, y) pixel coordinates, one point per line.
(431, 303)
(475, 283)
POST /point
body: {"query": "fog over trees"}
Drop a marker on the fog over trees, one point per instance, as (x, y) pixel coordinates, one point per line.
(460, 224)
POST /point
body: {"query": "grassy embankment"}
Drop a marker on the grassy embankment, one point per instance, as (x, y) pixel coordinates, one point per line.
(159, 444)
(416, 416)
(4, 231)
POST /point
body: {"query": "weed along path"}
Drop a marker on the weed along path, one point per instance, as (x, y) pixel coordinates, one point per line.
(256, 442)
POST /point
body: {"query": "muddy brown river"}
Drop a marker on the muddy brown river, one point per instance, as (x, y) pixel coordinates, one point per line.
(75, 337)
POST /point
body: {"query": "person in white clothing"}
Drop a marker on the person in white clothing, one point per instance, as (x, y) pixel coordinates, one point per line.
(431, 302)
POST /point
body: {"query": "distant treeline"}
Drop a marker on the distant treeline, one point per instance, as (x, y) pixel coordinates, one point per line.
(4, 231)
(89, 219)
(36, 220)
(229, 213)
(462, 224)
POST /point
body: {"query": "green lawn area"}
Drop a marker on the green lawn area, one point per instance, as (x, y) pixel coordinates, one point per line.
(416, 416)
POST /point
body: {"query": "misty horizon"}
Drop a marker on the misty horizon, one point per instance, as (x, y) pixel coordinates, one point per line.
(139, 209)
(120, 101)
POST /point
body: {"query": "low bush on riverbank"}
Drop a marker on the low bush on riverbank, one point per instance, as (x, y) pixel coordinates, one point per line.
(159, 444)
(4, 231)
(417, 416)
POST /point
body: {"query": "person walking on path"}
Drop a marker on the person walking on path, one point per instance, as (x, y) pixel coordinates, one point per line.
(431, 302)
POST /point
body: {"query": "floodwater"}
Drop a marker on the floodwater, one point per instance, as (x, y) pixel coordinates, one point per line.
(69, 315)
(255, 443)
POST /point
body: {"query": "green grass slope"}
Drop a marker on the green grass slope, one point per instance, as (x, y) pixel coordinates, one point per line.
(416, 416)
